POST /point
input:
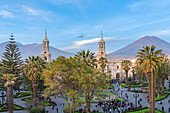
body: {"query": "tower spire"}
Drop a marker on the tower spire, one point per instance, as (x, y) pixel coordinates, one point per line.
(102, 36)
(45, 35)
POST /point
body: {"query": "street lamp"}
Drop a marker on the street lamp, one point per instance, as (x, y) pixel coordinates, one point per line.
(134, 86)
(136, 96)
(120, 99)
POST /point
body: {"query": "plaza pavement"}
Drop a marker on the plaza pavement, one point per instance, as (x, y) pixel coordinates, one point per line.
(57, 100)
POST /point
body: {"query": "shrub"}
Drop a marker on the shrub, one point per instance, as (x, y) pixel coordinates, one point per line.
(66, 110)
(129, 79)
(37, 110)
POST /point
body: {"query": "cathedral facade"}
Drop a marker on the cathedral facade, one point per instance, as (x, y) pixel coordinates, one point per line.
(113, 65)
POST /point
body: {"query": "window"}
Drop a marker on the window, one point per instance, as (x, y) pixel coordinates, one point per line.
(45, 45)
(117, 67)
(101, 52)
(45, 58)
(101, 45)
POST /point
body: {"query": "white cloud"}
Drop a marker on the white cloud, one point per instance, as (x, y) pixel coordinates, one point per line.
(6, 14)
(33, 12)
(151, 4)
(91, 41)
(3, 35)
(139, 4)
(128, 27)
(83, 43)
(98, 27)
(162, 32)
(30, 11)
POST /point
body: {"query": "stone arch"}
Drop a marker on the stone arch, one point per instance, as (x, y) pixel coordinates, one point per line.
(117, 76)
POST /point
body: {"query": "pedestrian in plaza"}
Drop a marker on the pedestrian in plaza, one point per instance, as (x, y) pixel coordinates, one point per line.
(46, 111)
(104, 109)
(57, 110)
(169, 109)
(110, 110)
(60, 103)
(162, 108)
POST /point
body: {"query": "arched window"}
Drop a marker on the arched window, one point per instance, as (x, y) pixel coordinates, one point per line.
(117, 67)
(45, 45)
(45, 58)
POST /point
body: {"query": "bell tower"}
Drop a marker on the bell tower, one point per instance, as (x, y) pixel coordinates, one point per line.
(101, 49)
(46, 55)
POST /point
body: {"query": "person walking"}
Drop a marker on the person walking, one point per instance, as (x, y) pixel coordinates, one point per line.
(162, 108)
(57, 110)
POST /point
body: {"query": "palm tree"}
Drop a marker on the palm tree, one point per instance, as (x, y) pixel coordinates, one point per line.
(87, 57)
(147, 61)
(126, 64)
(9, 84)
(33, 69)
(102, 61)
(164, 71)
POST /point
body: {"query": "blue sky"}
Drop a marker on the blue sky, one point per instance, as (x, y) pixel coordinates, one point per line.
(73, 25)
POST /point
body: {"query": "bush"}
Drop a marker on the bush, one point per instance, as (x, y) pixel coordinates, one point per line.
(129, 79)
(66, 110)
(37, 110)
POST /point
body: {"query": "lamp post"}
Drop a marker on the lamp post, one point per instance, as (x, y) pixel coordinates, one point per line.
(134, 86)
(135, 96)
(120, 99)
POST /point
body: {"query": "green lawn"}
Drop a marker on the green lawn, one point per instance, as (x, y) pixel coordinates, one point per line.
(146, 111)
(42, 102)
(107, 93)
(166, 90)
(22, 95)
(111, 87)
(161, 97)
(84, 101)
(143, 110)
(85, 112)
(4, 108)
(120, 99)
(132, 86)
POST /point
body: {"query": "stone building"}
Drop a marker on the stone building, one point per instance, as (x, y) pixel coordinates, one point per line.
(45, 54)
(113, 65)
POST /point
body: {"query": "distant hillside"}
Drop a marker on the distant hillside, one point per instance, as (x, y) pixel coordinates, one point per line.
(36, 49)
(131, 50)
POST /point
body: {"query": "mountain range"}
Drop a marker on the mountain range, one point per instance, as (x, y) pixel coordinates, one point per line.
(35, 50)
(131, 50)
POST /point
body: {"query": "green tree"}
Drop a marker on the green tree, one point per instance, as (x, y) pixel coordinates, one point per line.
(102, 62)
(147, 61)
(140, 74)
(92, 82)
(9, 78)
(62, 78)
(11, 60)
(33, 70)
(163, 71)
(87, 57)
(126, 64)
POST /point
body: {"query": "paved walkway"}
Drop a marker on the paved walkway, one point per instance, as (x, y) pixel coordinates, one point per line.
(57, 100)
(143, 96)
